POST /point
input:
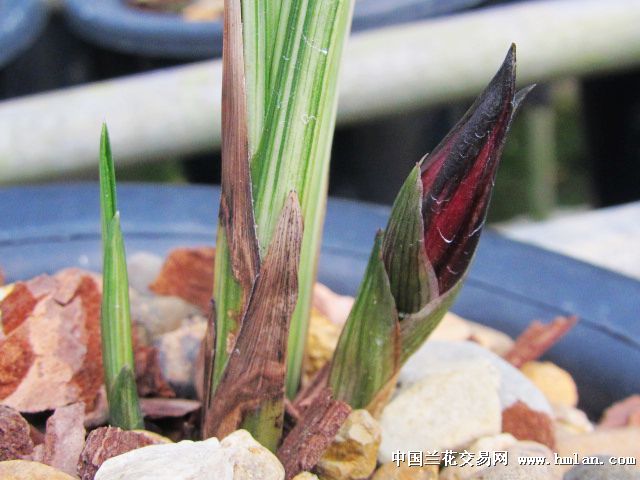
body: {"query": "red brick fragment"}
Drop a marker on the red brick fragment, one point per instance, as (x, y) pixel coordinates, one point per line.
(15, 438)
(106, 442)
(527, 424)
(155, 408)
(64, 438)
(16, 307)
(52, 357)
(16, 358)
(187, 273)
(149, 377)
(89, 378)
(537, 339)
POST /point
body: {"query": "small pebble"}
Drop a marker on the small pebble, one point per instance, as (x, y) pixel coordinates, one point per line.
(556, 384)
(178, 353)
(143, 268)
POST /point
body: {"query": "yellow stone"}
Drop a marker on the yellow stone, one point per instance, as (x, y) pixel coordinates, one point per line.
(570, 421)
(556, 384)
(451, 328)
(26, 470)
(391, 471)
(5, 290)
(321, 342)
(305, 476)
(353, 453)
(154, 437)
(204, 10)
(490, 338)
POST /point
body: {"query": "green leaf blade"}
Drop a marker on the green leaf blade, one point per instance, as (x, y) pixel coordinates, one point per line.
(108, 203)
(367, 354)
(124, 408)
(117, 344)
(115, 322)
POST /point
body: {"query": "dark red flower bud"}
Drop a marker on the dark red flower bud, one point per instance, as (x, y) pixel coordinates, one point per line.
(458, 176)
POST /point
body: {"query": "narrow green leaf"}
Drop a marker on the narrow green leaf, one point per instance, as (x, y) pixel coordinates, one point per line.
(124, 408)
(255, 32)
(115, 322)
(413, 282)
(108, 205)
(368, 351)
(117, 345)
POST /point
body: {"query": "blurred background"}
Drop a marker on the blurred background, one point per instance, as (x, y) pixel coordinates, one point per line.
(151, 69)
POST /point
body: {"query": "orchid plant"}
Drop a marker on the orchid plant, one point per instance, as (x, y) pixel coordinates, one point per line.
(281, 63)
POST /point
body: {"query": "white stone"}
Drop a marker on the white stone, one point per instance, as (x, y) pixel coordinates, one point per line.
(433, 356)
(490, 338)
(178, 354)
(237, 457)
(451, 328)
(452, 404)
(143, 268)
(160, 314)
(496, 443)
(514, 471)
(511, 471)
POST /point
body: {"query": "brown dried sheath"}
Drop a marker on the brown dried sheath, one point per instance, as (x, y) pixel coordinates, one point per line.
(236, 204)
(255, 370)
(305, 444)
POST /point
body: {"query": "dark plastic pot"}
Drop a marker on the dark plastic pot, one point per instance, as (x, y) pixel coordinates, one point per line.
(126, 40)
(113, 25)
(21, 22)
(381, 13)
(46, 228)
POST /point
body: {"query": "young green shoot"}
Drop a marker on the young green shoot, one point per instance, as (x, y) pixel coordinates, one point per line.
(419, 264)
(117, 347)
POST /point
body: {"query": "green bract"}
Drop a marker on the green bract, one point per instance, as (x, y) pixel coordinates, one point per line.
(427, 247)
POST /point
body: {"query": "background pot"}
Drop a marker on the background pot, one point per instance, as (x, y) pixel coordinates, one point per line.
(46, 228)
(21, 23)
(112, 24)
(124, 40)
